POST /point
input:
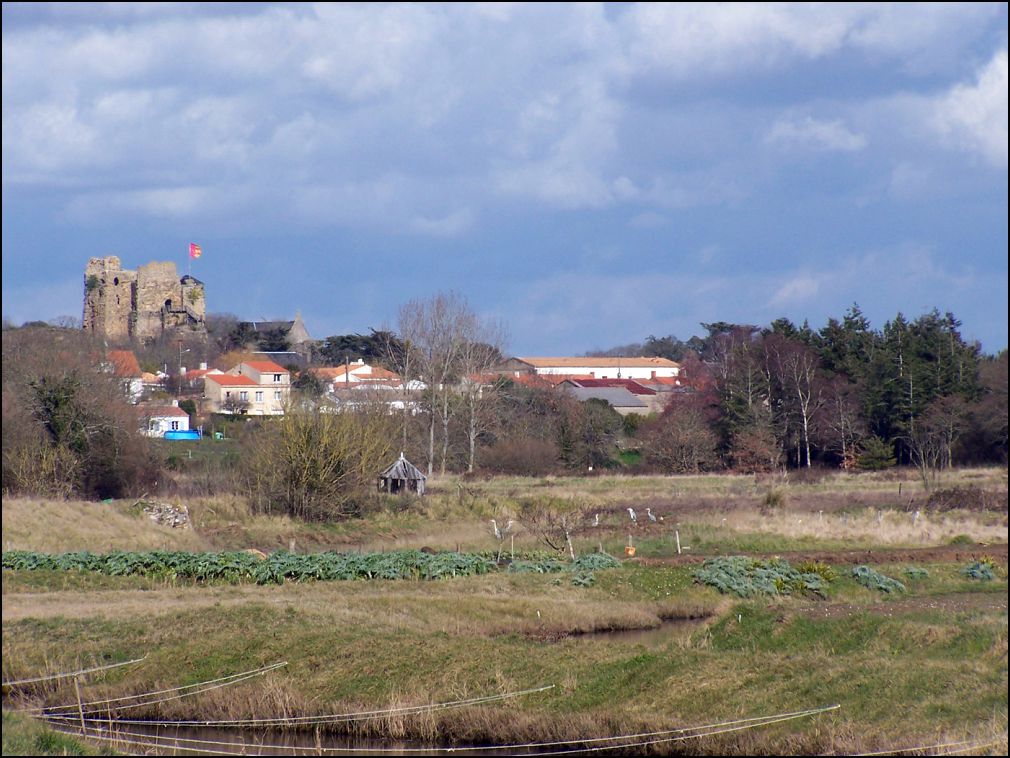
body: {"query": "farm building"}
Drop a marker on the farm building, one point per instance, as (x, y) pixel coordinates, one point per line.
(402, 476)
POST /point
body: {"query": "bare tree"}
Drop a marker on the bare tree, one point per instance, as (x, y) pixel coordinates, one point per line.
(798, 371)
(434, 332)
(481, 351)
(844, 420)
(554, 522)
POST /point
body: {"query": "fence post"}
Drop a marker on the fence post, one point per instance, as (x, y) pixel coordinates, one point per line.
(80, 703)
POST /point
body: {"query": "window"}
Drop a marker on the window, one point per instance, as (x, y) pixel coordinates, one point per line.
(277, 395)
(259, 397)
(227, 395)
(243, 396)
(277, 378)
(175, 426)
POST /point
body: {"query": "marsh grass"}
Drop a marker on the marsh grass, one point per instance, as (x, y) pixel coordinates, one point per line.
(902, 677)
(907, 671)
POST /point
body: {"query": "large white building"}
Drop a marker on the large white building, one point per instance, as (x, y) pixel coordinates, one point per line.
(595, 368)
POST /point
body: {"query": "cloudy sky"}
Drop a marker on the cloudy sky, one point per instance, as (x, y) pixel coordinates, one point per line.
(588, 174)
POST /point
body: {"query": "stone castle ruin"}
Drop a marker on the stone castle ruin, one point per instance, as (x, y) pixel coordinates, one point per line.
(143, 305)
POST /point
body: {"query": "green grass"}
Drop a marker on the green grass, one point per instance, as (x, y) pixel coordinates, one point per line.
(25, 736)
(362, 644)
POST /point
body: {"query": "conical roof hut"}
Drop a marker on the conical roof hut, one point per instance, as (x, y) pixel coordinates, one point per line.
(402, 476)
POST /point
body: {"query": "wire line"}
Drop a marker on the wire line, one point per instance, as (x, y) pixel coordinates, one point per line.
(69, 674)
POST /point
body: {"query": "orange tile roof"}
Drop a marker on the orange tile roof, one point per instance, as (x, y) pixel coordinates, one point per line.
(124, 363)
(327, 373)
(200, 373)
(228, 380)
(266, 367)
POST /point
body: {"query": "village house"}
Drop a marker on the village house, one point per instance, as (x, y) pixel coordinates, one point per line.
(124, 366)
(254, 388)
(336, 378)
(158, 419)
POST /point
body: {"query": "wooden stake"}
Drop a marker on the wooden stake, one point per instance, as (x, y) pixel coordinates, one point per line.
(677, 534)
(80, 703)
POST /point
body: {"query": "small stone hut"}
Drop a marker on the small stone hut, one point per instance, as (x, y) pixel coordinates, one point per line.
(402, 476)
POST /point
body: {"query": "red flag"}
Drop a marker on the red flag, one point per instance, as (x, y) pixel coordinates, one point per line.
(194, 250)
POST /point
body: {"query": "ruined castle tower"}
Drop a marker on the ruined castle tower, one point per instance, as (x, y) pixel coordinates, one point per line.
(142, 305)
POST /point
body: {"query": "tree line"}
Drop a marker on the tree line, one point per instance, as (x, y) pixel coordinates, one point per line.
(914, 392)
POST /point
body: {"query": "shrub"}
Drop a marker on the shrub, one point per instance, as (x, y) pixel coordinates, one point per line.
(876, 581)
(823, 570)
(746, 577)
(312, 465)
(875, 454)
(982, 570)
(775, 497)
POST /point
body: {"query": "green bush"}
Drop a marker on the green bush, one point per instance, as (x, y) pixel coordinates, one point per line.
(876, 581)
(980, 570)
(876, 454)
(746, 577)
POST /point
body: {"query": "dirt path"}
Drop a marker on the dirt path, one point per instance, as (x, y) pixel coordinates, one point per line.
(940, 554)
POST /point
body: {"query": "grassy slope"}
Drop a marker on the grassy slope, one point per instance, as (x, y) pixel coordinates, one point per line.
(901, 677)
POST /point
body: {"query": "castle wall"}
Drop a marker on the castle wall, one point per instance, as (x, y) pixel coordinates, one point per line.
(144, 304)
(108, 298)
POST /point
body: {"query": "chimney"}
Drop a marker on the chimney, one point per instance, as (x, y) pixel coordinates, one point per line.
(203, 366)
(175, 403)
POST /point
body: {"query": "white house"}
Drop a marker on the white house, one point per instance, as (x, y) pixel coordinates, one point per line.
(158, 419)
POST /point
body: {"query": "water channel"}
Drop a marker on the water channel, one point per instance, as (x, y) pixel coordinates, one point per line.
(147, 739)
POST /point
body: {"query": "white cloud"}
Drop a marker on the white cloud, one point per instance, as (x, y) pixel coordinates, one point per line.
(797, 290)
(974, 116)
(451, 225)
(813, 134)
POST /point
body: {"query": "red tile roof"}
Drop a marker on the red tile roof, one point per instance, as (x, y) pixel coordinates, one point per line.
(124, 363)
(227, 380)
(266, 367)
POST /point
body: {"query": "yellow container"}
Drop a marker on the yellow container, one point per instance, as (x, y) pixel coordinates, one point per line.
(629, 551)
